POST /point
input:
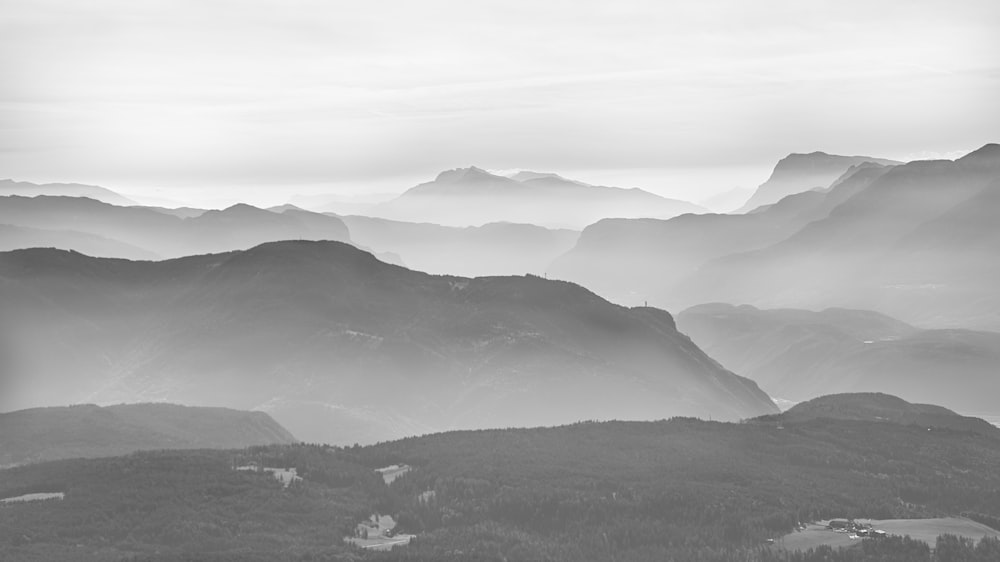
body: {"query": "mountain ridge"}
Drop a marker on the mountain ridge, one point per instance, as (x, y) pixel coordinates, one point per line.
(800, 172)
(28, 189)
(796, 354)
(295, 323)
(164, 234)
(881, 407)
(473, 196)
(87, 430)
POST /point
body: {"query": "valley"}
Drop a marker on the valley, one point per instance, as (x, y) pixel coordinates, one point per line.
(924, 530)
(513, 281)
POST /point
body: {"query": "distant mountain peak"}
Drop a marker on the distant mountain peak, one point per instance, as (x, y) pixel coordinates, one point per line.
(28, 189)
(800, 172)
(987, 156)
(473, 196)
(464, 174)
(241, 208)
(285, 207)
(528, 175)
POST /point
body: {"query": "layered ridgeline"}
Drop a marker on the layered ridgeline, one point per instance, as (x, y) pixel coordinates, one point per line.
(796, 173)
(14, 237)
(42, 434)
(491, 249)
(148, 232)
(473, 197)
(880, 238)
(340, 347)
(884, 408)
(632, 260)
(799, 354)
(680, 489)
(96, 192)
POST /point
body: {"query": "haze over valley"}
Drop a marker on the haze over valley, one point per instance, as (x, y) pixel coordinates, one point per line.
(512, 281)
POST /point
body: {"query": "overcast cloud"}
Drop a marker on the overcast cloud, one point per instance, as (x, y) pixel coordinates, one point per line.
(210, 100)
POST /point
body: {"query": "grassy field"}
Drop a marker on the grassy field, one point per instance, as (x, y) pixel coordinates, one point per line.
(926, 530)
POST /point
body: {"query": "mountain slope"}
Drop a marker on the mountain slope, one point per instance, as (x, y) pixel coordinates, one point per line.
(636, 260)
(796, 173)
(18, 237)
(862, 254)
(799, 354)
(678, 489)
(43, 434)
(473, 197)
(914, 241)
(164, 234)
(491, 249)
(878, 407)
(339, 346)
(27, 189)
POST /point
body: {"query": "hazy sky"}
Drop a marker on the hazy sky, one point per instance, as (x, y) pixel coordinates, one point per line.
(208, 100)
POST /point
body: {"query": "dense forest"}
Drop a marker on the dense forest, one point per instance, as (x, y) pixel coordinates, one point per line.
(681, 489)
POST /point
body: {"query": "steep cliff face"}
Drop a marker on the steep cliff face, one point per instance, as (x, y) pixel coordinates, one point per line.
(796, 173)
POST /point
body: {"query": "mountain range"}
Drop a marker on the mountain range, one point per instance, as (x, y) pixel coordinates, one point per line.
(86, 430)
(148, 233)
(28, 189)
(473, 197)
(799, 354)
(340, 347)
(497, 248)
(160, 233)
(658, 254)
(18, 237)
(797, 173)
(885, 238)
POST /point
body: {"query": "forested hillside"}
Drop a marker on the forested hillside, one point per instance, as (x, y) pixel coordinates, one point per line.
(681, 489)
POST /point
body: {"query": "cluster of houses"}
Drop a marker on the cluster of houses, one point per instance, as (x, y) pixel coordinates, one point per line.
(857, 530)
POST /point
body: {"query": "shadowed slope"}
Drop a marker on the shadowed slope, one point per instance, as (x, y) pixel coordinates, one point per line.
(322, 331)
(42, 434)
(878, 407)
(799, 354)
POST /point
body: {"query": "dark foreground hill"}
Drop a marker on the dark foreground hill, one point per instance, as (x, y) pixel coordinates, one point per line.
(799, 354)
(42, 434)
(879, 407)
(340, 347)
(681, 489)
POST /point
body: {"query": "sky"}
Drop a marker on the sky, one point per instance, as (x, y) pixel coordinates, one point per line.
(207, 101)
